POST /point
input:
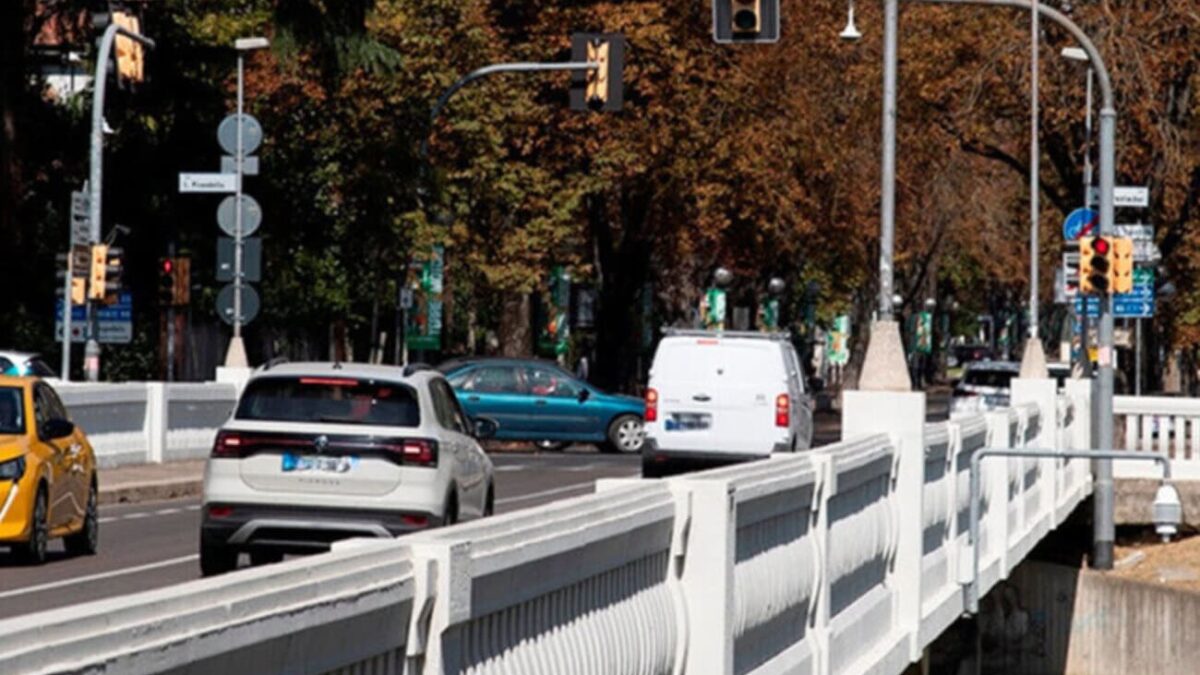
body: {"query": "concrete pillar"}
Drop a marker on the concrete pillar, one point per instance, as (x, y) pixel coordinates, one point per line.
(900, 415)
(156, 422)
(885, 368)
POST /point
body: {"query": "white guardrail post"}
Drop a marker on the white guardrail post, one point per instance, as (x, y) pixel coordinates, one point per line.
(901, 415)
(1042, 433)
(156, 421)
(999, 519)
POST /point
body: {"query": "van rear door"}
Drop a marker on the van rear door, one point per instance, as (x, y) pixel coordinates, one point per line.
(717, 395)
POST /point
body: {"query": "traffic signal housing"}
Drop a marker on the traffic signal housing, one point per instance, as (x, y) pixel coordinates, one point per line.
(166, 282)
(1122, 265)
(130, 53)
(114, 272)
(99, 271)
(1095, 265)
(745, 21)
(602, 88)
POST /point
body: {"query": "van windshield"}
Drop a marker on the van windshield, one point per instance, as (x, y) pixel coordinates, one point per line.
(989, 378)
(709, 360)
(331, 400)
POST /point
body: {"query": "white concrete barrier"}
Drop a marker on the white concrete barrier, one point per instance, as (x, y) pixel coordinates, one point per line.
(1170, 425)
(149, 422)
(847, 559)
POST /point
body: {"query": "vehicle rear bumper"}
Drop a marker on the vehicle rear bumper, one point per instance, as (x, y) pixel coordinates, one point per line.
(304, 529)
(678, 461)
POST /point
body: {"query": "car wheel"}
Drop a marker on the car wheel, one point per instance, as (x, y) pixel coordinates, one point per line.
(489, 502)
(652, 469)
(33, 552)
(626, 434)
(258, 558)
(450, 516)
(87, 539)
(216, 559)
(549, 446)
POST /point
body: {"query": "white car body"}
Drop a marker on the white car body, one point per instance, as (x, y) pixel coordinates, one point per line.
(288, 486)
(723, 397)
(985, 385)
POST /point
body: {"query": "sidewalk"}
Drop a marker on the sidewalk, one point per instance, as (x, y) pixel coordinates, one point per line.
(151, 482)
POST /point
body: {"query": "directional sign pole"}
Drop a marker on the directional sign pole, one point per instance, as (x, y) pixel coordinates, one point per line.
(236, 356)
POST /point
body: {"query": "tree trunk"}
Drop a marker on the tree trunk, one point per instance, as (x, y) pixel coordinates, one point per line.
(516, 330)
(12, 73)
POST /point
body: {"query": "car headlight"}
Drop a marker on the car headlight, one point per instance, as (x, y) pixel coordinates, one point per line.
(13, 469)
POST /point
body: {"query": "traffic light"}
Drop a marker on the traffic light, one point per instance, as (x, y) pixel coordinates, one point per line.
(166, 282)
(99, 268)
(1095, 265)
(600, 88)
(1122, 265)
(745, 21)
(130, 53)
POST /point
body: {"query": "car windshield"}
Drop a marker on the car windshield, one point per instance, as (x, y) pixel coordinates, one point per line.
(12, 411)
(336, 400)
(989, 378)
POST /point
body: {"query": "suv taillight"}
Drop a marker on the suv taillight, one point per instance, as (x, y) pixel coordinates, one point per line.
(651, 405)
(228, 444)
(417, 451)
(783, 410)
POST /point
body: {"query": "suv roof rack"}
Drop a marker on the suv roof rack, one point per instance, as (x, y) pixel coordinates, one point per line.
(412, 368)
(701, 332)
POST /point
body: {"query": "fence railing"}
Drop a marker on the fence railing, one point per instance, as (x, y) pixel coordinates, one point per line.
(1162, 424)
(846, 559)
(149, 422)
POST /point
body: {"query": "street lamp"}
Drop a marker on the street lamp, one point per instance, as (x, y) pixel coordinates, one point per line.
(1077, 54)
(236, 356)
(850, 33)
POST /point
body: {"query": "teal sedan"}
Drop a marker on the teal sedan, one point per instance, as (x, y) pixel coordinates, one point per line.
(539, 401)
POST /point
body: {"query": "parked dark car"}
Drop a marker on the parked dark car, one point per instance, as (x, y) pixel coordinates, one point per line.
(538, 401)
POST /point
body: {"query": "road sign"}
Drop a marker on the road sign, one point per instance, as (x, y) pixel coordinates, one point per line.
(1124, 196)
(250, 303)
(252, 134)
(81, 231)
(208, 182)
(249, 166)
(1070, 274)
(406, 298)
(1138, 303)
(251, 215)
(115, 321)
(1137, 231)
(1080, 223)
(251, 259)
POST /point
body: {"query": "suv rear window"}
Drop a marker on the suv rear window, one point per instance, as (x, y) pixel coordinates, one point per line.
(989, 378)
(330, 400)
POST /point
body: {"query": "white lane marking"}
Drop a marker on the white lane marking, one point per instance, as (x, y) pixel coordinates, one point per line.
(150, 514)
(102, 575)
(574, 487)
(511, 467)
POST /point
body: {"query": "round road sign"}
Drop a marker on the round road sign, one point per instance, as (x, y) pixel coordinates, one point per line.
(251, 215)
(250, 303)
(252, 134)
(1081, 223)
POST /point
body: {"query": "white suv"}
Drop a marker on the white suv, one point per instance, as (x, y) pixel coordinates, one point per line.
(721, 397)
(317, 452)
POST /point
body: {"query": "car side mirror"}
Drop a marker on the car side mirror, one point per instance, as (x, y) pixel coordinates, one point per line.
(485, 427)
(57, 428)
(584, 394)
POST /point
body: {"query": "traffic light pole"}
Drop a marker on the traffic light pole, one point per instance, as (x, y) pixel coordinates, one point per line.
(91, 362)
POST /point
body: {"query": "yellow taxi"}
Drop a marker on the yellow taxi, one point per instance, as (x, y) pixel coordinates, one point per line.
(47, 473)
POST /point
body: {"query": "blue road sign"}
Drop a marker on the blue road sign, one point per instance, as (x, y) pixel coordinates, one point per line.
(115, 322)
(1080, 223)
(1125, 306)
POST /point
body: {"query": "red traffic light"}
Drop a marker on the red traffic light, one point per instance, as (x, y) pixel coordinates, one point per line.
(1100, 246)
(167, 266)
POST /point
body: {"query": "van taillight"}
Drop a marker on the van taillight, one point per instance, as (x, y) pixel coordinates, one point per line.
(228, 444)
(651, 405)
(783, 410)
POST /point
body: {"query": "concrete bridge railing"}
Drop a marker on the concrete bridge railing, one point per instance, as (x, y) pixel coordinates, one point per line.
(1169, 425)
(846, 559)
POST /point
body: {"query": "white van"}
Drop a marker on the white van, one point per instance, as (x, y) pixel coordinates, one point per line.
(721, 397)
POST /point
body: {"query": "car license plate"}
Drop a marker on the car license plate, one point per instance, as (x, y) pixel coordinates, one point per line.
(688, 422)
(314, 463)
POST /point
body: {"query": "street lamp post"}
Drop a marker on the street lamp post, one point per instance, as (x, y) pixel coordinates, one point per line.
(236, 356)
(1077, 54)
(91, 351)
(888, 356)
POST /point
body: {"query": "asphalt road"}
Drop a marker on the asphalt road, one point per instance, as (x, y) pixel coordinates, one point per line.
(151, 545)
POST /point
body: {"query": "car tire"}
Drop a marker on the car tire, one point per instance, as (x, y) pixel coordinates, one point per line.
(259, 558)
(489, 502)
(450, 515)
(216, 559)
(87, 539)
(626, 435)
(33, 552)
(549, 446)
(652, 469)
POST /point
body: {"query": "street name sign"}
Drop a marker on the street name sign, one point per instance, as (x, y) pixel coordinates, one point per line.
(208, 182)
(1124, 196)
